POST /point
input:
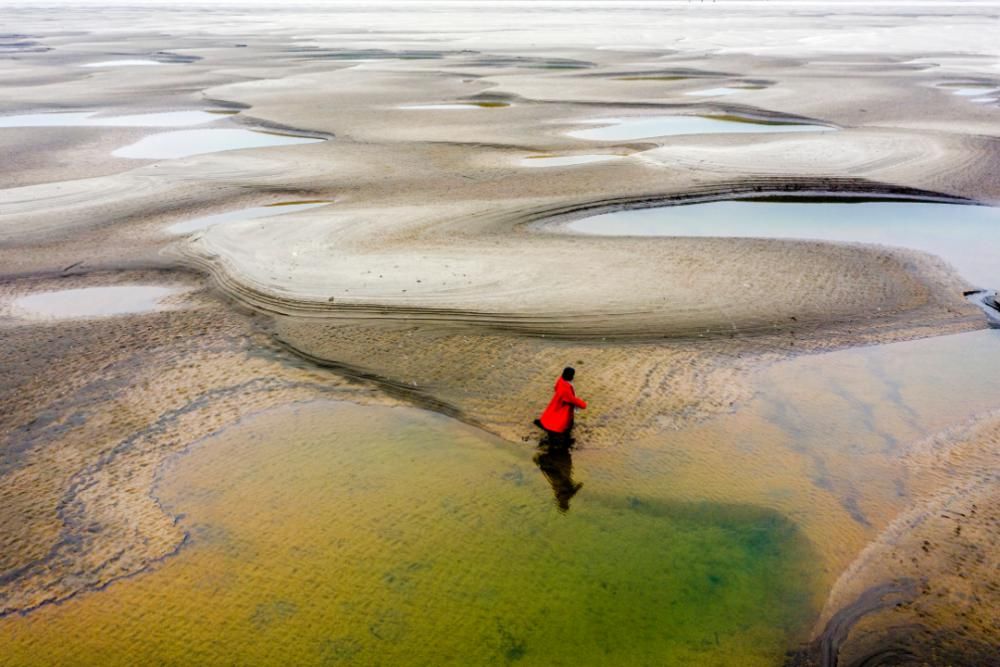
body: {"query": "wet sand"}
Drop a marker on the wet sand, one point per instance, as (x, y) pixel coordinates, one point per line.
(435, 278)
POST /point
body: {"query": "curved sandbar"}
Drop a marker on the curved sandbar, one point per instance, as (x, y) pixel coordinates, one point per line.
(465, 264)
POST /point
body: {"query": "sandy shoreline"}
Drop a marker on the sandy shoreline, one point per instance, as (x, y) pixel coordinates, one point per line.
(439, 275)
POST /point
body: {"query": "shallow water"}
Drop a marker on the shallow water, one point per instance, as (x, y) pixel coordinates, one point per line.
(92, 301)
(973, 92)
(565, 160)
(329, 532)
(334, 533)
(271, 210)
(131, 62)
(91, 119)
(722, 90)
(828, 438)
(980, 92)
(456, 106)
(641, 127)
(185, 143)
(959, 234)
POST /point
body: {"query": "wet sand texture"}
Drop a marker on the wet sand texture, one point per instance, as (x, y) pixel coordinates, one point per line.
(442, 276)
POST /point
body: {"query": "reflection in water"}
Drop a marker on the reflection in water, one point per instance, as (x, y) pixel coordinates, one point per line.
(185, 143)
(556, 463)
(132, 62)
(329, 533)
(93, 301)
(954, 232)
(457, 105)
(92, 119)
(722, 90)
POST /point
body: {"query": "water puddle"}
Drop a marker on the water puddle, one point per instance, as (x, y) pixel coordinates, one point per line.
(252, 213)
(722, 90)
(643, 127)
(969, 88)
(185, 143)
(327, 532)
(128, 62)
(526, 62)
(653, 77)
(980, 92)
(957, 233)
(661, 74)
(974, 92)
(458, 105)
(367, 54)
(92, 119)
(92, 302)
(565, 160)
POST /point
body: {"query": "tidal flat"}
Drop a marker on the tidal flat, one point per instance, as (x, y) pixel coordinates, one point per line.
(276, 316)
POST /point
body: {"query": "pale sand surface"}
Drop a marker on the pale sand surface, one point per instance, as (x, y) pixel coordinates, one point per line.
(435, 278)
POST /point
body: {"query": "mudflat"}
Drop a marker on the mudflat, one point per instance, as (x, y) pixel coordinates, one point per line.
(305, 227)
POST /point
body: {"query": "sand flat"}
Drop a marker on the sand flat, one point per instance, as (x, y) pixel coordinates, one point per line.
(828, 369)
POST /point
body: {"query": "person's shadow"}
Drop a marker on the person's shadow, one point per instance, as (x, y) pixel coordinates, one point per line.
(556, 463)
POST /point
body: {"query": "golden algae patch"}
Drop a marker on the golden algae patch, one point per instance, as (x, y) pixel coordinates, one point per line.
(829, 439)
(330, 532)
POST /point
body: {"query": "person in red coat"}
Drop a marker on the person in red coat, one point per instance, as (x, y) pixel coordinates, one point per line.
(557, 420)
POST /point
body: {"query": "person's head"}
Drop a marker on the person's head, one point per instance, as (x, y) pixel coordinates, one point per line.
(568, 374)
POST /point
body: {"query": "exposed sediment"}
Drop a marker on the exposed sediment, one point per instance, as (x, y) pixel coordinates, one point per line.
(434, 278)
(927, 590)
(91, 410)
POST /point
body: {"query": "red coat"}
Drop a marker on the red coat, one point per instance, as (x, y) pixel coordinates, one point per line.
(558, 417)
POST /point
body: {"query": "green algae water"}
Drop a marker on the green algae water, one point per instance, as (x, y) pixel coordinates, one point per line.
(330, 533)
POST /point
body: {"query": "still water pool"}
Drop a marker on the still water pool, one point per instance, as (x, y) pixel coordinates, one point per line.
(92, 119)
(722, 90)
(92, 301)
(185, 143)
(125, 62)
(965, 236)
(456, 106)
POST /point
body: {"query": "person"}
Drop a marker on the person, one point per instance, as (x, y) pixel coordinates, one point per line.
(557, 420)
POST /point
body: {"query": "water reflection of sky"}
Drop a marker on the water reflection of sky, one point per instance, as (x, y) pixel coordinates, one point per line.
(964, 236)
(185, 143)
(92, 301)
